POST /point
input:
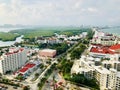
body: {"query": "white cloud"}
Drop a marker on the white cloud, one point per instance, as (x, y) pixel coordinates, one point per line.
(2, 8)
(92, 10)
(58, 12)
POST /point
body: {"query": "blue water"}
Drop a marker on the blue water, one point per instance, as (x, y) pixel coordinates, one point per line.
(8, 29)
(9, 43)
(115, 31)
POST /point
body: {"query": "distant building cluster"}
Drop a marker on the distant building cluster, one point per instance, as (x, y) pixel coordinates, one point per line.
(60, 38)
(105, 38)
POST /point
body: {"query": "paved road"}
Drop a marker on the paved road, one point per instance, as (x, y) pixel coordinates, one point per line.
(33, 85)
(50, 82)
(10, 87)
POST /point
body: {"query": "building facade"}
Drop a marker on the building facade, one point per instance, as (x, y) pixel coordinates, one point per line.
(13, 60)
(47, 53)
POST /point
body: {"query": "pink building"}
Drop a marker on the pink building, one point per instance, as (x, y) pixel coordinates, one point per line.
(47, 53)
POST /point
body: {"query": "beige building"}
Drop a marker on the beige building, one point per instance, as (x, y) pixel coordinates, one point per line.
(111, 64)
(118, 81)
(102, 76)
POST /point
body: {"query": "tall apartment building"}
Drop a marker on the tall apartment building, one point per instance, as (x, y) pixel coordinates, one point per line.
(13, 60)
(108, 79)
(83, 66)
(111, 64)
(101, 75)
(118, 81)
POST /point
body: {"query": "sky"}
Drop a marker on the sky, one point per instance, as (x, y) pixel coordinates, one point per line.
(60, 12)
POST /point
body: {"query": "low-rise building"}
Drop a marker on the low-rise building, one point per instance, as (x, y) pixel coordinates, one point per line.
(47, 53)
(26, 70)
(97, 50)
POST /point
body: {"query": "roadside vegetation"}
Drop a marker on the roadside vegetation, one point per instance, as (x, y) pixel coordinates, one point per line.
(60, 47)
(77, 79)
(77, 51)
(7, 81)
(47, 74)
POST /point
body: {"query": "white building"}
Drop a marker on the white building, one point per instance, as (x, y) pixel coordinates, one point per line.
(83, 66)
(107, 79)
(97, 50)
(104, 38)
(102, 75)
(12, 60)
(118, 81)
(51, 40)
(111, 64)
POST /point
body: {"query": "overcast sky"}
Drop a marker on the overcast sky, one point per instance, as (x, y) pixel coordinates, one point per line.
(60, 12)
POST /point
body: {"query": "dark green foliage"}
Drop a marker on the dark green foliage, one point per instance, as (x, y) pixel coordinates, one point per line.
(90, 34)
(47, 74)
(6, 81)
(80, 79)
(76, 53)
(36, 74)
(41, 66)
(20, 77)
(85, 41)
(65, 66)
(26, 88)
(49, 31)
(60, 47)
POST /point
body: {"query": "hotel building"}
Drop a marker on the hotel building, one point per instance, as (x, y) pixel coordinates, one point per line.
(13, 60)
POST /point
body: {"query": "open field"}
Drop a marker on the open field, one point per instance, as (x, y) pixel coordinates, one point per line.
(42, 31)
(4, 36)
(49, 31)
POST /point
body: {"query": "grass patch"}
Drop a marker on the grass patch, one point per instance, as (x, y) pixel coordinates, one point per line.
(8, 36)
(49, 31)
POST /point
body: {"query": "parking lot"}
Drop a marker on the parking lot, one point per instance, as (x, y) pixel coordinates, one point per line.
(8, 87)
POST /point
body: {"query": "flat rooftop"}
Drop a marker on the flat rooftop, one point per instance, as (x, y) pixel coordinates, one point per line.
(102, 70)
(48, 50)
(27, 67)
